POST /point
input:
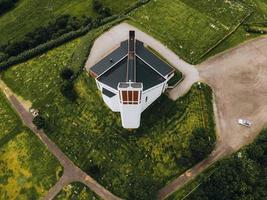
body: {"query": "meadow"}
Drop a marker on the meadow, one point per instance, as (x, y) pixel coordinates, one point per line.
(131, 164)
(191, 28)
(76, 191)
(30, 14)
(27, 169)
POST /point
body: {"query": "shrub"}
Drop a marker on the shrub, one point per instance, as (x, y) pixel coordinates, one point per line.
(66, 74)
(6, 5)
(100, 9)
(200, 143)
(39, 122)
(68, 91)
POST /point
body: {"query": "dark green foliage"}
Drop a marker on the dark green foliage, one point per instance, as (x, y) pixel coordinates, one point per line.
(256, 29)
(201, 144)
(54, 43)
(176, 78)
(66, 74)
(53, 30)
(100, 9)
(242, 176)
(6, 5)
(68, 91)
(39, 122)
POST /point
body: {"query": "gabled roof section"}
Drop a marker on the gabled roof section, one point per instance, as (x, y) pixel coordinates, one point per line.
(110, 60)
(152, 60)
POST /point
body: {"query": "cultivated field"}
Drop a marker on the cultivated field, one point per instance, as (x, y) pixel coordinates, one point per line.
(31, 14)
(27, 169)
(76, 191)
(132, 164)
(190, 28)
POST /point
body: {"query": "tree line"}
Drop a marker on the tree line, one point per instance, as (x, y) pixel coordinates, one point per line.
(6, 5)
(242, 176)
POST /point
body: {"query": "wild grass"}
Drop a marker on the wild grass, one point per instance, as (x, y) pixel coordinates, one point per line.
(31, 14)
(27, 169)
(76, 191)
(132, 164)
(190, 28)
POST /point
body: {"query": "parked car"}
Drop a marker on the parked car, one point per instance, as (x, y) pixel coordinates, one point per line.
(244, 122)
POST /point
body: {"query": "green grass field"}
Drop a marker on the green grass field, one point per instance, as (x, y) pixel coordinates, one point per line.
(31, 14)
(76, 191)
(27, 169)
(132, 164)
(190, 28)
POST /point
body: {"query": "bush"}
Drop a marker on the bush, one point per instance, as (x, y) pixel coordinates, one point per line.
(100, 9)
(6, 5)
(66, 74)
(68, 91)
(39, 122)
(256, 29)
(201, 144)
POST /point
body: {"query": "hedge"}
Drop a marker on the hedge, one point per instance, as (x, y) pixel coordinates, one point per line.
(53, 43)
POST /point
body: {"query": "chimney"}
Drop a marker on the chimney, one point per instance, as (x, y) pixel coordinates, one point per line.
(131, 65)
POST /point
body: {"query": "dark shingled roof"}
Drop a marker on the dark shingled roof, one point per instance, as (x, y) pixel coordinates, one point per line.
(103, 65)
(108, 93)
(159, 65)
(150, 70)
(144, 74)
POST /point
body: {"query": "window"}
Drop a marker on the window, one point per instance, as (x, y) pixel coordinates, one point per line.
(130, 97)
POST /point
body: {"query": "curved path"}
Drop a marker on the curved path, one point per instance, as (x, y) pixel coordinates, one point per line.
(238, 78)
(119, 33)
(71, 172)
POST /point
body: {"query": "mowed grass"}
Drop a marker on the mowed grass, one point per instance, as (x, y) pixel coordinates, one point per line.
(188, 27)
(31, 14)
(132, 164)
(259, 15)
(27, 169)
(76, 191)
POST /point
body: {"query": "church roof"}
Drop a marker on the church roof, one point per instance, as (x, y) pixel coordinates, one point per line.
(114, 68)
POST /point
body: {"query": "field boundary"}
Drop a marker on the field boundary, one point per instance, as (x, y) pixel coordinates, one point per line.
(224, 38)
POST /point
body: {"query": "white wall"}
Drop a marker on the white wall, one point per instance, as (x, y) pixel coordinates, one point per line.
(152, 95)
(112, 103)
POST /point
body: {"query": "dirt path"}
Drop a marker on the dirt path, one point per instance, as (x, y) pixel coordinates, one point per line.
(119, 33)
(238, 78)
(71, 172)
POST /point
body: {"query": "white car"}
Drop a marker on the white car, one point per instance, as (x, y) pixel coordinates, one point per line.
(244, 122)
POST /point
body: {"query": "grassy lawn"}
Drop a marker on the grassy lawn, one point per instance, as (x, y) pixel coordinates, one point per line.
(191, 27)
(27, 169)
(30, 14)
(132, 164)
(240, 35)
(76, 191)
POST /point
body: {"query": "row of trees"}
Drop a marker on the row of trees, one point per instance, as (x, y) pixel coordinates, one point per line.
(6, 5)
(243, 176)
(53, 30)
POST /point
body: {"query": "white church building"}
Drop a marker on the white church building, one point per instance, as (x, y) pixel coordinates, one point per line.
(130, 79)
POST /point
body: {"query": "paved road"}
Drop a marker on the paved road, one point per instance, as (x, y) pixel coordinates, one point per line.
(119, 33)
(71, 172)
